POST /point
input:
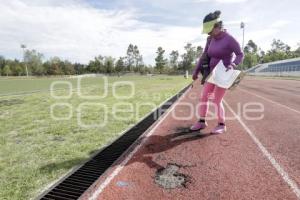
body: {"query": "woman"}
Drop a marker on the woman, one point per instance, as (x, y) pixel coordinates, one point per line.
(220, 46)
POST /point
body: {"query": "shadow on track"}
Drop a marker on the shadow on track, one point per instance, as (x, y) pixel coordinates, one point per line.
(156, 144)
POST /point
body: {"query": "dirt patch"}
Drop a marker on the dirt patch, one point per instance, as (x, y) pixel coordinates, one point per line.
(170, 178)
(58, 139)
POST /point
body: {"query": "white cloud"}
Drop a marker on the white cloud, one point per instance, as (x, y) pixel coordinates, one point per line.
(262, 37)
(238, 22)
(75, 31)
(280, 23)
(220, 1)
(231, 1)
(261, 34)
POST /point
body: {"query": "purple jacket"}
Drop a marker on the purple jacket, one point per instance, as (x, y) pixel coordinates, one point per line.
(222, 48)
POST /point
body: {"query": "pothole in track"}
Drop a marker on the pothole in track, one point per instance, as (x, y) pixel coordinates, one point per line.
(170, 178)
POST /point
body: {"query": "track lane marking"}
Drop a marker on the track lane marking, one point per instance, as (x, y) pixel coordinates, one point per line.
(269, 100)
(268, 155)
(116, 171)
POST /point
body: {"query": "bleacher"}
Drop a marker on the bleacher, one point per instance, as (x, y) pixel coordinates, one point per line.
(283, 67)
(290, 67)
(252, 70)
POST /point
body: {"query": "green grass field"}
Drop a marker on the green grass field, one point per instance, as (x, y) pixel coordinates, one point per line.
(36, 149)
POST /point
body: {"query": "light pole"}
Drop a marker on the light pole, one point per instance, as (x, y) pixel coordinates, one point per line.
(23, 46)
(243, 27)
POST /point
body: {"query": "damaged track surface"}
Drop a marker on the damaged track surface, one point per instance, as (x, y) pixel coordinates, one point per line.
(169, 178)
(225, 166)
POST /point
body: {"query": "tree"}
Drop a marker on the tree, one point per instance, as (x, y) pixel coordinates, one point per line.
(138, 59)
(297, 51)
(33, 59)
(16, 68)
(199, 52)
(92, 67)
(96, 65)
(134, 60)
(2, 64)
(109, 64)
(53, 66)
(174, 60)
(6, 70)
(279, 46)
(251, 55)
(99, 61)
(251, 47)
(250, 60)
(149, 69)
(160, 60)
(261, 55)
(67, 67)
(79, 68)
(130, 57)
(188, 58)
(120, 65)
(279, 51)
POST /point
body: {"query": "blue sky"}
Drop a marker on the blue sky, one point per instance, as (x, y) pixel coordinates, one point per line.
(78, 30)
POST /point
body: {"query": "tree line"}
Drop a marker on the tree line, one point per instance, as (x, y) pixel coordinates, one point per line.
(279, 51)
(33, 62)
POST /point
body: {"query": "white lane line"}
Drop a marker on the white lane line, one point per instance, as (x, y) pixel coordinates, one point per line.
(265, 152)
(129, 156)
(269, 100)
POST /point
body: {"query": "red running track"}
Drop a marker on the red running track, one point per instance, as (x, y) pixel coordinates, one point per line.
(254, 159)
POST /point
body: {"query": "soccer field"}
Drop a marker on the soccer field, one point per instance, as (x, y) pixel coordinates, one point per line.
(43, 133)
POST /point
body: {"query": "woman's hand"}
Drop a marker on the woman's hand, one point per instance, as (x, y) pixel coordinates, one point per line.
(231, 66)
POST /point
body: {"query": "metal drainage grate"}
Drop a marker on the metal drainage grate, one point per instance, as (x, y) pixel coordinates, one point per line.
(75, 184)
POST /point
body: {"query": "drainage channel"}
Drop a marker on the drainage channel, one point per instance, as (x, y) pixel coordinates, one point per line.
(78, 181)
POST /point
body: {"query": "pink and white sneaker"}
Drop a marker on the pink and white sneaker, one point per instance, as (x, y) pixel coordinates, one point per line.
(198, 126)
(219, 129)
